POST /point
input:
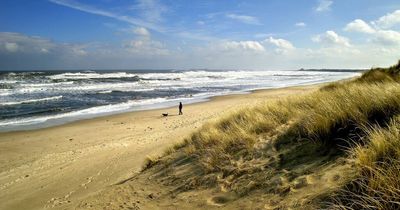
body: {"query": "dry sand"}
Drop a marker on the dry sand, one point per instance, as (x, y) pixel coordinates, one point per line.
(60, 167)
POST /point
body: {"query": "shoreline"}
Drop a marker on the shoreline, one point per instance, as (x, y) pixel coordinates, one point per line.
(59, 167)
(154, 107)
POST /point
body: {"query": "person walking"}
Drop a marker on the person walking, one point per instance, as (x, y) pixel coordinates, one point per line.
(180, 108)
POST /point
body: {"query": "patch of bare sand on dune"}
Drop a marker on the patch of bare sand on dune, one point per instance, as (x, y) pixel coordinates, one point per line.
(159, 188)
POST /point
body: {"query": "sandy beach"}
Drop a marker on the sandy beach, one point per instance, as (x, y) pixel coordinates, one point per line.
(59, 167)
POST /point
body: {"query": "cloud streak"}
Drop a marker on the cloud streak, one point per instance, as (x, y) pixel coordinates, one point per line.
(300, 24)
(92, 10)
(151, 10)
(324, 5)
(141, 31)
(244, 19)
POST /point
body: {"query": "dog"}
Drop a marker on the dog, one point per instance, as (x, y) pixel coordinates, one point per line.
(165, 114)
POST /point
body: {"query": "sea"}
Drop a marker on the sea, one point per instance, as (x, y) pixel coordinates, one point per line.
(37, 99)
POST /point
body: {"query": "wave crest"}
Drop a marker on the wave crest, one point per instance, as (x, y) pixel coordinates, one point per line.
(31, 101)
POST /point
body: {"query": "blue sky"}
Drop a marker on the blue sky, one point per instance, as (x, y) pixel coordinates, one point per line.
(181, 34)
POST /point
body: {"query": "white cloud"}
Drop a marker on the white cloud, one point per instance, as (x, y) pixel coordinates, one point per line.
(244, 19)
(301, 24)
(283, 46)
(379, 36)
(146, 46)
(38, 53)
(77, 50)
(359, 25)
(387, 37)
(243, 45)
(331, 38)
(44, 50)
(11, 46)
(389, 20)
(15, 42)
(141, 31)
(324, 5)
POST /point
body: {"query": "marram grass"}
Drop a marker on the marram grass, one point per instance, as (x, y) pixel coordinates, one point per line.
(378, 162)
(354, 119)
(319, 116)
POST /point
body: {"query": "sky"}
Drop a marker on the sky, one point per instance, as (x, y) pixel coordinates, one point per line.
(198, 34)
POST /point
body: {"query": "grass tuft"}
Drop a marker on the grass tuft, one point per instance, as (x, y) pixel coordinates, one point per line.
(150, 162)
(378, 183)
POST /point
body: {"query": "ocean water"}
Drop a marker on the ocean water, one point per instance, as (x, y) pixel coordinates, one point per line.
(30, 100)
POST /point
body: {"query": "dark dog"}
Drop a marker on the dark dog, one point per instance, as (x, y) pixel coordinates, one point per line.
(165, 114)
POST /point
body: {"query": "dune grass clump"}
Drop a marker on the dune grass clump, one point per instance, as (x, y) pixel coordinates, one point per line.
(378, 183)
(217, 144)
(391, 74)
(374, 75)
(150, 162)
(328, 116)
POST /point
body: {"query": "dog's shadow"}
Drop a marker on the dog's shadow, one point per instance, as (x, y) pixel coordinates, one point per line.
(167, 115)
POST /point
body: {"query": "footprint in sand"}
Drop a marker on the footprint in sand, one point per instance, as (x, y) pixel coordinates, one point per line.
(57, 201)
(89, 180)
(220, 200)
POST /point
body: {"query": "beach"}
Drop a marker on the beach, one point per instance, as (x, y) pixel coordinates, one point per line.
(59, 167)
